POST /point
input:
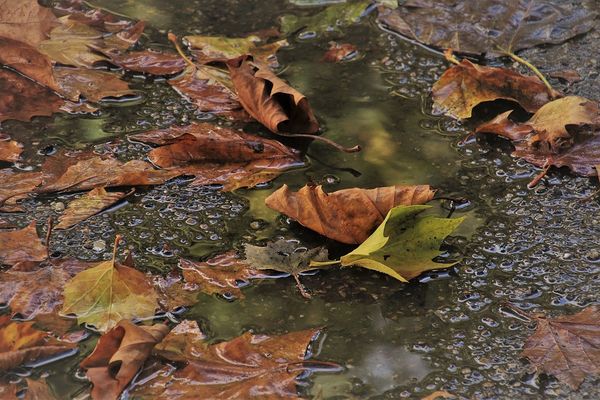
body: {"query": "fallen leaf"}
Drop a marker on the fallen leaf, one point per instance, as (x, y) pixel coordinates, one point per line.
(96, 17)
(91, 84)
(10, 150)
(21, 245)
(219, 155)
(90, 204)
(284, 256)
(224, 274)
(349, 215)
(340, 52)
(15, 186)
(487, 26)
(568, 75)
(464, 86)
(148, 62)
(331, 19)
(118, 356)
(28, 61)
(173, 291)
(567, 347)
(8, 391)
(26, 21)
(21, 343)
(38, 390)
(246, 367)
(439, 394)
(105, 294)
(270, 100)
(404, 245)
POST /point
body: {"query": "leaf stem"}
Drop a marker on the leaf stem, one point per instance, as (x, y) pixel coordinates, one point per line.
(322, 139)
(301, 287)
(324, 263)
(449, 55)
(48, 234)
(173, 38)
(118, 239)
(533, 68)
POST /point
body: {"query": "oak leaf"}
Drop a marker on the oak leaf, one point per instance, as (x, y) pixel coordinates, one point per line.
(567, 347)
(118, 356)
(348, 215)
(21, 245)
(10, 150)
(26, 21)
(90, 204)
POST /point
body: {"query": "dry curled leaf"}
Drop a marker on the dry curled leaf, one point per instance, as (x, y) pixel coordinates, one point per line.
(90, 204)
(21, 245)
(464, 86)
(270, 100)
(349, 215)
(118, 356)
(567, 347)
(10, 150)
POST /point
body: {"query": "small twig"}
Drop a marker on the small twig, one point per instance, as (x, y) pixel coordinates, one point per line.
(322, 139)
(532, 67)
(48, 233)
(541, 175)
(301, 287)
(118, 239)
(449, 55)
(173, 39)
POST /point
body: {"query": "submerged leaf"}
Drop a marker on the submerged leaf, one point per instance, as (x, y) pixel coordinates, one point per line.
(90, 204)
(349, 215)
(332, 19)
(21, 245)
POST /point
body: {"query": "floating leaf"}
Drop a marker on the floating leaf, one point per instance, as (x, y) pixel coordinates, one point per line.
(340, 52)
(148, 62)
(10, 150)
(26, 21)
(91, 84)
(332, 19)
(567, 347)
(349, 215)
(15, 186)
(38, 390)
(487, 26)
(464, 86)
(404, 245)
(28, 61)
(118, 356)
(90, 204)
(21, 245)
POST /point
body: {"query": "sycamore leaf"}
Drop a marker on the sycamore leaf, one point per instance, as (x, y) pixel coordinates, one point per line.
(285, 256)
(348, 215)
(567, 347)
(109, 292)
(404, 245)
(21, 245)
(332, 19)
(118, 356)
(90, 204)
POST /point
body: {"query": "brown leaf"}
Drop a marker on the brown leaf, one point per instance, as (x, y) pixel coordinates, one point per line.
(439, 394)
(148, 62)
(486, 26)
(15, 186)
(568, 75)
(38, 390)
(248, 366)
(90, 204)
(567, 347)
(10, 151)
(21, 343)
(340, 52)
(349, 215)
(21, 245)
(219, 155)
(118, 356)
(25, 21)
(270, 100)
(464, 86)
(28, 61)
(224, 274)
(8, 391)
(91, 84)
(174, 292)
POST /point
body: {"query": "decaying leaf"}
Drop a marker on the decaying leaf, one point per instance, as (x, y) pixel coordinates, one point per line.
(90, 204)
(340, 52)
(332, 19)
(567, 347)
(91, 84)
(487, 26)
(464, 86)
(107, 293)
(404, 245)
(26, 21)
(118, 356)
(173, 291)
(15, 186)
(10, 150)
(38, 390)
(20, 343)
(284, 256)
(219, 155)
(148, 62)
(224, 274)
(21, 245)
(270, 100)
(245, 367)
(349, 215)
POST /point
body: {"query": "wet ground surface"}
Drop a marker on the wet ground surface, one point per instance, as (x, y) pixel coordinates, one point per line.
(535, 248)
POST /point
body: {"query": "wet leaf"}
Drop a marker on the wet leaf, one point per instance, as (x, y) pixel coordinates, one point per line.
(38, 390)
(26, 21)
(439, 394)
(270, 100)
(107, 293)
(464, 86)
(340, 52)
(148, 62)
(21, 343)
(284, 256)
(219, 155)
(90, 204)
(224, 274)
(567, 347)
(118, 356)
(486, 26)
(349, 215)
(331, 19)
(91, 84)
(21, 245)
(10, 151)
(570, 76)
(174, 292)
(242, 368)
(404, 245)
(28, 61)
(15, 186)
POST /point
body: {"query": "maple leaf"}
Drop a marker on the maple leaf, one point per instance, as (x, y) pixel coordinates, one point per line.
(90, 204)
(22, 245)
(567, 347)
(347, 215)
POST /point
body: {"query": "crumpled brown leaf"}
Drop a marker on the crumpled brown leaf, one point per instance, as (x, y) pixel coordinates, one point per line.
(567, 347)
(21, 245)
(118, 356)
(26, 21)
(348, 215)
(464, 86)
(10, 150)
(269, 100)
